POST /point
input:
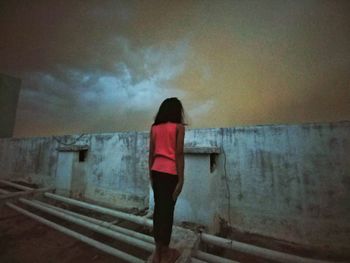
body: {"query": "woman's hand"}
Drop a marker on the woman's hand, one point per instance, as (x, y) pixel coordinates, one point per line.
(180, 159)
(177, 192)
(150, 178)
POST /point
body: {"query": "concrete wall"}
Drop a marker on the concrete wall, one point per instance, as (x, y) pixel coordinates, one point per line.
(9, 92)
(112, 173)
(290, 182)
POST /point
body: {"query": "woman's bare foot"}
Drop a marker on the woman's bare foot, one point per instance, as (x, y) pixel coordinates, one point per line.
(156, 257)
(175, 254)
(170, 255)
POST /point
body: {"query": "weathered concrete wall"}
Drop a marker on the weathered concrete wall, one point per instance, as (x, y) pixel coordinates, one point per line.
(34, 159)
(9, 92)
(290, 182)
(114, 172)
(109, 175)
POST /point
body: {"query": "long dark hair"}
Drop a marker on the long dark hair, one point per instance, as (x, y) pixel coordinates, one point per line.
(170, 110)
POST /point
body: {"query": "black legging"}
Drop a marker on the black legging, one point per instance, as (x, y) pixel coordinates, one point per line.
(163, 187)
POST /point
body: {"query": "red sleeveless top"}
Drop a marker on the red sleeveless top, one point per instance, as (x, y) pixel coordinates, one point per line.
(164, 139)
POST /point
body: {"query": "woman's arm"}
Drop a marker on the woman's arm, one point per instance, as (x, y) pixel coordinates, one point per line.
(180, 159)
(150, 155)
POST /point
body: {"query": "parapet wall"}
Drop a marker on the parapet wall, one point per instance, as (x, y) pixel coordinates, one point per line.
(290, 182)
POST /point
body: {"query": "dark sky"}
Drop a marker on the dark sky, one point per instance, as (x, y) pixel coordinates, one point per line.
(104, 66)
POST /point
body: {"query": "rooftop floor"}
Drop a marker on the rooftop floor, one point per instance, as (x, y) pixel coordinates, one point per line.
(23, 239)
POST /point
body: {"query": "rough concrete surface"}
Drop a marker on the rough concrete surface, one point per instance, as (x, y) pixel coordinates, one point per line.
(287, 182)
(24, 240)
(183, 240)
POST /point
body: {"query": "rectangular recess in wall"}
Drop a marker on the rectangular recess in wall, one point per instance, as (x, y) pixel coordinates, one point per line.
(212, 151)
(213, 161)
(82, 155)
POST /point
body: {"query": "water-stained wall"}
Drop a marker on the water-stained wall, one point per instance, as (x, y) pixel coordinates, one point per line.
(290, 182)
(34, 159)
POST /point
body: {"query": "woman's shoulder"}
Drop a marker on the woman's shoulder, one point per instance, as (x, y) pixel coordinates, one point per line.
(169, 123)
(180, 127)
(176, 124)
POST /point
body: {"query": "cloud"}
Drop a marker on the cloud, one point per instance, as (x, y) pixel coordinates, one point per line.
(201, 110)
(92, 66)
(103, 99)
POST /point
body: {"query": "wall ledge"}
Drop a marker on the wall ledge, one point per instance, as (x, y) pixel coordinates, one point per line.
(202, 150)
(73, 148)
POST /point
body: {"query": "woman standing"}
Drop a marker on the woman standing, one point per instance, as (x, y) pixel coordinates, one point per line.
(166, 170)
